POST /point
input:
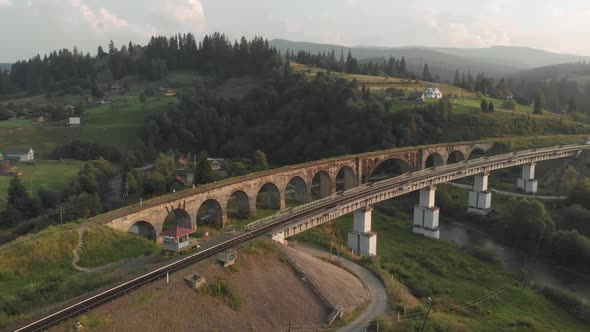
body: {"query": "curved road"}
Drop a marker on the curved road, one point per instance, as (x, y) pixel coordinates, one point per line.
(377, 306)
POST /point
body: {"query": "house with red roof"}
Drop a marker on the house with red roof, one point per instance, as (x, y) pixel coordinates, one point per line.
(176, 238)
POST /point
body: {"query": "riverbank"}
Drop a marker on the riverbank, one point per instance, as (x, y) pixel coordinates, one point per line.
(469, 293)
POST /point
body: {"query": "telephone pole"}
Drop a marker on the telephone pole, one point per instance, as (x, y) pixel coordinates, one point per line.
(60, 209)
(427, 313)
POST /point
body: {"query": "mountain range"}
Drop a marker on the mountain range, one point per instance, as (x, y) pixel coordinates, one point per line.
(494, 61)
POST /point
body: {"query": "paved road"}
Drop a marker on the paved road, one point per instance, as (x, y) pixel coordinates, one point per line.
(377, 306)
(509, 193)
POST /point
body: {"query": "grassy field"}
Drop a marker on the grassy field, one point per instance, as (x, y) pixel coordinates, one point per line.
(117, 125)
(120, 125)
(54, 175)
(12, 124)
(36, 270)
(99, 242)
(379, 84)
(468, 293)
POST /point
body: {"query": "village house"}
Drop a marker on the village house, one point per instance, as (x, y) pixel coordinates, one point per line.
(69, 109)
(116, 88)
(170, 93)
(24, 154)
(183, 175)
(74, 121)
(433, 93)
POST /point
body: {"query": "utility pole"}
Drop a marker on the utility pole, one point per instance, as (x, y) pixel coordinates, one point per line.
(427, 313)
(341, 59)
(60, 209)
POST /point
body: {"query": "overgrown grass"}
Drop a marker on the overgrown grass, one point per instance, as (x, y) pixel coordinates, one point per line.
(222, 291)
(453, 277)
(258, 247)
(36, 270)
(104, 245)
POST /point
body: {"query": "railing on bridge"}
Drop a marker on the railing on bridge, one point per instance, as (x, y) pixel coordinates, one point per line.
(266, 220)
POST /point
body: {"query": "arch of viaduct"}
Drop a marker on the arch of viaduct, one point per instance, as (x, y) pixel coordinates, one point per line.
(348, 171)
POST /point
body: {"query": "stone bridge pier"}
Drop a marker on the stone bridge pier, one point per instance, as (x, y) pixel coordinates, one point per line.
(426, 214)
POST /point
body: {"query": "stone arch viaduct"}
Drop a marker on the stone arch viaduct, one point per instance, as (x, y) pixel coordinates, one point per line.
(271, 187)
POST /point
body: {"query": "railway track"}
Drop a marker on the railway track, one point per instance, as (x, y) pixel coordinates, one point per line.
(342, 197)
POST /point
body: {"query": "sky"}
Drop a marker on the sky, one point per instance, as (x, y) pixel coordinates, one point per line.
(30, 27)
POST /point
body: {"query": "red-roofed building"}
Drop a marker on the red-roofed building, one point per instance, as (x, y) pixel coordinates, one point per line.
(176, 238)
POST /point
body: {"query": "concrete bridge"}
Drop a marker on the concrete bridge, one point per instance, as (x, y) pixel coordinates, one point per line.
(269, 189)
(363, 241)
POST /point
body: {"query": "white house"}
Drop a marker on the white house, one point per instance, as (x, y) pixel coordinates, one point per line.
(23, 153)
(218, 164)
(74, 121)
(433, 93)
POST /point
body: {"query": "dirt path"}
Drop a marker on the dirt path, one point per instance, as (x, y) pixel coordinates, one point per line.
(78, 249)
(377, 306)
(339, 286)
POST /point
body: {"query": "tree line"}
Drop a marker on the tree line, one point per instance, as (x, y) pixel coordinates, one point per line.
(391, 67)
(72, 71)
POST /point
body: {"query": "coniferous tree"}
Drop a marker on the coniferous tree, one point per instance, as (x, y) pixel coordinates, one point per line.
(539, 102)
(203, 172)
(260, 162)
(402, 67)
(491, 107)
(426, 75)
(484, 106)
(17, 194)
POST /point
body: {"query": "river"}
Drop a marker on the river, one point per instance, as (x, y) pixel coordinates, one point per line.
(540, 272)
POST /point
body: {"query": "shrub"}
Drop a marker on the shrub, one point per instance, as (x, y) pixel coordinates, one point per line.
(222, 290)
(510, 105)
(569, 301)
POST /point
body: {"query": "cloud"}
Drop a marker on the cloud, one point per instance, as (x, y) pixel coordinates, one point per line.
(189, 12)
(105, 20)
(5, 3)
(476, 35)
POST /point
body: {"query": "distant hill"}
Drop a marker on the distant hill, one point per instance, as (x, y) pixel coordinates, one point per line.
(575, 71)
(5, 66)
(520, 57)
(494, 61)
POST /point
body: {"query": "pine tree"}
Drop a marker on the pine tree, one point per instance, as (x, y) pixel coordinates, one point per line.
(402, 66)
(457, 80)
(260, 162)
(426, 76)
(491, 107)
(17, 194)
(203, 172)
(484, 106)
(539, 102)
(100, 53)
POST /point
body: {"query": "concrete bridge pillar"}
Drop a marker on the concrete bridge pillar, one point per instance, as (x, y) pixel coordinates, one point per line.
(480, 199)
(361, 240)
(527, 182)
(426, 214)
